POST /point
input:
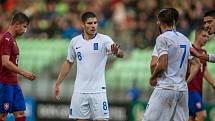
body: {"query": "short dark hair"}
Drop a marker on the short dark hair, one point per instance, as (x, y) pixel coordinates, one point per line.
(210, 13)
(168, 16)
(20, 17)
(87, 15)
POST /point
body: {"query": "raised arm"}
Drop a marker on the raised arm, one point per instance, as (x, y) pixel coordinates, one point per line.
(116, 51)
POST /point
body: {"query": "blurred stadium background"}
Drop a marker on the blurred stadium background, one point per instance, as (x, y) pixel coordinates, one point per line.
(131, 23)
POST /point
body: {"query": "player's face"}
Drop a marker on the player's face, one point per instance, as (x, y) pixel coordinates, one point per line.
(209, 23)
(21, 28)
(90, 26)
(204, 37)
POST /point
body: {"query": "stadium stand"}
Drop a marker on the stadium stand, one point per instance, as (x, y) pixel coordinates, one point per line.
(136, 67)
(35, 55)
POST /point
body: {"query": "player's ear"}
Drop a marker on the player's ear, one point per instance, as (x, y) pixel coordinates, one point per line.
(158, 23)
(82, 24)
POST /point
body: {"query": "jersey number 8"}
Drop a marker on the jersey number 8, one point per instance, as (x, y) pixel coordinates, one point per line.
(79, 56)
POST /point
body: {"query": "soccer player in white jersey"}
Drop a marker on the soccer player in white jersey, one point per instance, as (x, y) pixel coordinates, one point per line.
(169, 100)
(209, 23)
(90, 50)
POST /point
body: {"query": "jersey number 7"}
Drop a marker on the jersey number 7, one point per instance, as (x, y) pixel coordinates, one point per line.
(184, 53)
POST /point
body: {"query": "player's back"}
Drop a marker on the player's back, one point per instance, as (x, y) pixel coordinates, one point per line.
(177, 47)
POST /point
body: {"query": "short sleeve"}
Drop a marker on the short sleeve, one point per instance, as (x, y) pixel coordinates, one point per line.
(155, 52)
(161, 46)
(71, 52)
(108, 43)
(6, 45)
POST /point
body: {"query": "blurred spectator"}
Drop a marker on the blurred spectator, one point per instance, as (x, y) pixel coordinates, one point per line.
(131, 22)
(134, 92)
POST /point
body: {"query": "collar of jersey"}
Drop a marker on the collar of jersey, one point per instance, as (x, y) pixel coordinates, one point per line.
(92, 38)
(171, 30)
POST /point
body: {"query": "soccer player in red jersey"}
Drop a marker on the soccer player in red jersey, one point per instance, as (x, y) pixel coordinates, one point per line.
(11, 97)
(196, 104)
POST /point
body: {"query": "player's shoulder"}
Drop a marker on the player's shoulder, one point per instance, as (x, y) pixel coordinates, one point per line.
(104, 36)
(76, 39)
(161, 37)
(182, 35)
(6, 36)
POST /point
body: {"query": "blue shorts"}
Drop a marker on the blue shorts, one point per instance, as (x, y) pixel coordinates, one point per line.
(196, 103)
(11, 98)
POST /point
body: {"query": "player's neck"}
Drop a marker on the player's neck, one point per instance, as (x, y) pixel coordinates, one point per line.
(166, 28)
(88, 36)
(197, 45)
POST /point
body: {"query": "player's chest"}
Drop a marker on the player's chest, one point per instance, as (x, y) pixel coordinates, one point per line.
(89, 48)
(14, 48)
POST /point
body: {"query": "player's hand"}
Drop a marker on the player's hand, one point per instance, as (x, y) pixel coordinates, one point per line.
(203, 56)
(29, 75)
(115, 48)
(153, 82)
(57, 91)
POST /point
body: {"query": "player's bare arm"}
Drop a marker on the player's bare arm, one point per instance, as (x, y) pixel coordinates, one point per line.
(9, 65)
(63, 73)
(207, 57)
(153, 63)
(208, 77)
(159, 69)
(193, 68)
(116, 51)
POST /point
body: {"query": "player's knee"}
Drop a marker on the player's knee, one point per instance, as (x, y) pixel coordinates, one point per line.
(19, 114)
(3, 116)
(202, 116)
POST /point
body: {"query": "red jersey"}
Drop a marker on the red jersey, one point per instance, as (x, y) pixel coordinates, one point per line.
(8, 46)
(196, 83)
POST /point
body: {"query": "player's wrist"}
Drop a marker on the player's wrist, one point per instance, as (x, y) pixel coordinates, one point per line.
(22, 72)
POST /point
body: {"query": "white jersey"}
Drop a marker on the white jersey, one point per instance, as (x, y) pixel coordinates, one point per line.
(91, 56)
(177, 46)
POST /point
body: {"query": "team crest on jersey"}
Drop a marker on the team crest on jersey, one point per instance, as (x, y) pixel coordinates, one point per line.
(96, 46)
(6, 106)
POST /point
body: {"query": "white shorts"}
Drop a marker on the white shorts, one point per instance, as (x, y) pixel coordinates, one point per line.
(92, 106)
(167, 105)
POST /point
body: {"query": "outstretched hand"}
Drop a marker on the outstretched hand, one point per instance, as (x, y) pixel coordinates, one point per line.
(115, 48)
(203, 56)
